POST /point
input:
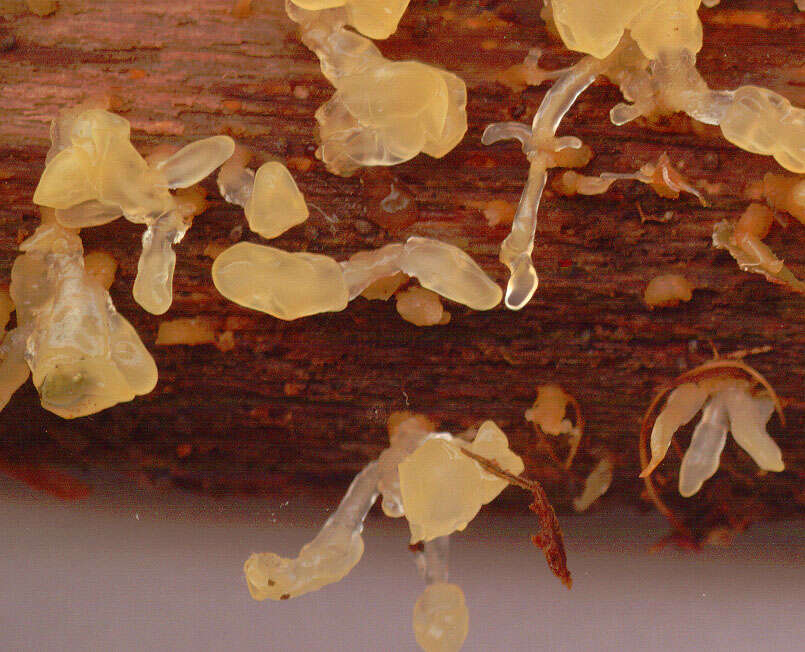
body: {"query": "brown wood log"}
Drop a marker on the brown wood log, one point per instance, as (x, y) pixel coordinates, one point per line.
(302, 402)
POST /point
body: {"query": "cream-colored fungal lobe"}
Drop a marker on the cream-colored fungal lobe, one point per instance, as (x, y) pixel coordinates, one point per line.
(83, 356)
(764, 122)
(727, 405)
(383, 112)
(275, 204)
(367, 267)
(196, 161)
(681, 406)
(376, 19)
(596, 28)
(442, 489)
(327, 558)
(284, 285)
(441, 618)
(450, 272)
(667, 290)
(595, 485)
(235, 180)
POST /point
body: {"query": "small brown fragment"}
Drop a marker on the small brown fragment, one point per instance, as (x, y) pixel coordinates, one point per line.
(101, 266)
(242, 8)
(190, 332)
(299, 163)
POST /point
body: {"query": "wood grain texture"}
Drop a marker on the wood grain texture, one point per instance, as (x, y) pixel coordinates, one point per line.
(306, 402)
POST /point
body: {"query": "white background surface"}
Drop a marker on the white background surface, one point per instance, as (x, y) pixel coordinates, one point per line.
(163, 572)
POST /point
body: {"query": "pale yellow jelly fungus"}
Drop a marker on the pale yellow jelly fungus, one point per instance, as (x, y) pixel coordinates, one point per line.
(284, 285)
(421, 307)
(102, 267)
(442, 489)
(326, 559)
(549, 409)
(42, 7)
(761, 121)
(441, 618)
(383, 288)
(450, 272)
(376, 19)
(597, 27)
(667, 290)
(388, 113)
(727, 404)
(83, 355)
(275, 204)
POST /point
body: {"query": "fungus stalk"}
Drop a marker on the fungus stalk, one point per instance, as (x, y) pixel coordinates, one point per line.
(539, 144)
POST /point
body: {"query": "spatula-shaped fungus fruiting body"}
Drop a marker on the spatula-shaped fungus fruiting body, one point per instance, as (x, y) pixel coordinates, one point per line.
(326, 559)
(84, 357)
(383, 112)
(275, 204)
(284, 285)
(94, 175)
(728, 404)
(596, 484)
(667, 290)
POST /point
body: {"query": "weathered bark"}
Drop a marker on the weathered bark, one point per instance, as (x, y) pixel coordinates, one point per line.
(310, 398)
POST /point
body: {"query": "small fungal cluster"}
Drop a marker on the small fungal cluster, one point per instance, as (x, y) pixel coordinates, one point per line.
(439, 483)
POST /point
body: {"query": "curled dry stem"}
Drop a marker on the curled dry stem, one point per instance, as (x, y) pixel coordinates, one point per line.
(719, 366)
(549, 538)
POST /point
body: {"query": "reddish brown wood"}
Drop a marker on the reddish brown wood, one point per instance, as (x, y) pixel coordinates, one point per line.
(308, 400)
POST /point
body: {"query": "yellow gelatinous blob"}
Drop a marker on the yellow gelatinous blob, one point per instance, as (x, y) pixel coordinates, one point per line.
(102, 267)
(597, 27)
(420, 307)
(42, 7)
(761, 121)
(756, 219)
(284, 285)
(84, 357)
(667, 290)
(448, 271)
(389, 113)
(275, 204)
(441, 618)
(196, 161)
(442, 489)
(376, 19)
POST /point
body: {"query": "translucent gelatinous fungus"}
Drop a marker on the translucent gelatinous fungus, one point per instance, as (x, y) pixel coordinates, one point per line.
(728, 404)
(549, 409)
(383, 112)
(667, 290)
(275, 204)
(785, 193)
(441, 618)
(596, 484)
(284, 285)
(188, 331)
(94, 175)
(102, 267)
(443, 490)
(83, 356)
